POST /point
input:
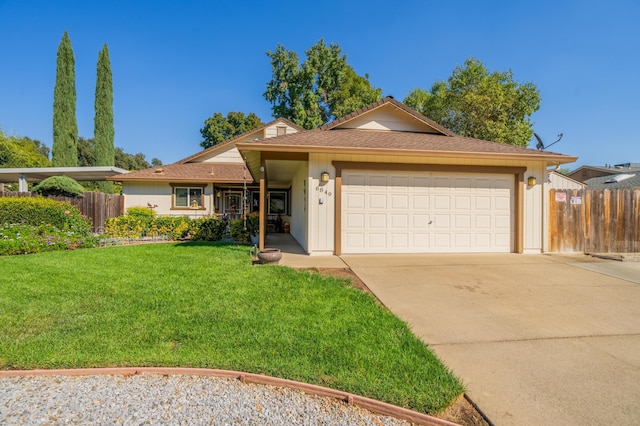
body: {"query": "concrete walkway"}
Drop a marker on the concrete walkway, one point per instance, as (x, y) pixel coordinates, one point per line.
(537, 339)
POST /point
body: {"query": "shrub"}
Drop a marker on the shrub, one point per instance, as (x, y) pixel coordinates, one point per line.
(144, 214)
(173, 227)
(238, 231)
(43, 211)
(141, 212)
(253, 223)
(137, 226)
(59, 185)
(24, 239)
(130, 227)
(33, 225)
(208, 229)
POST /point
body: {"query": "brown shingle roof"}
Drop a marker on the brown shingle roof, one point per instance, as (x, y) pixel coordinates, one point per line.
(349, 139)
(191, 172)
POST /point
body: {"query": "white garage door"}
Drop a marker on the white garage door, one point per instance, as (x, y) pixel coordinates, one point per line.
(426, 212)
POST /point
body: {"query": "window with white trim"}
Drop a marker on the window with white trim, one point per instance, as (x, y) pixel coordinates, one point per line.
(187, 197)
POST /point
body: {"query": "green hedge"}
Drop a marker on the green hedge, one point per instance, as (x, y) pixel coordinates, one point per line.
(43, 211)
(136, 226)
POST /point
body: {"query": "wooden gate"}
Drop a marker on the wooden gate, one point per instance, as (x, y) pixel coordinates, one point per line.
(594, 220)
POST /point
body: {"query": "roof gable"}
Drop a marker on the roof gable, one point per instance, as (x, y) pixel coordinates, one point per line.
(228, 147)
(388, 115)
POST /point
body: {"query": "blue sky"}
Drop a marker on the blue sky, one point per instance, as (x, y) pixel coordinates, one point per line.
(176, 63)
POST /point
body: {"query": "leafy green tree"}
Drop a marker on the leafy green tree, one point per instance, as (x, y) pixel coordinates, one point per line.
(219, 128)
(86, 152)
(65, 128)
(320, 89)
(480, 104)
(18, 152)
(130, 162)
(155, 162)
(103, 121)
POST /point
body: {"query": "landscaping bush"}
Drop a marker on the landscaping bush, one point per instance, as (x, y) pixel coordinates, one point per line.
(141, 224)
(238, 231)
(130, 227)
(208, 229)
(43, 211)
(33, 225)
(174, 227)
(59, 186)
(144, 214)
(25, 239)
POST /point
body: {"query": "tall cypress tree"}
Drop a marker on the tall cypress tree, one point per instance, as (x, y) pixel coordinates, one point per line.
(103, 120)
(64, 151)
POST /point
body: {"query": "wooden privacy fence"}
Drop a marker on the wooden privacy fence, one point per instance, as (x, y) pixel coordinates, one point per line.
(96, 205)
(594, 220)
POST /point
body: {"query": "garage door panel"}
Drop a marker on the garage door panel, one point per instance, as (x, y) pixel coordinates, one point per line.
(482, 202)
(378, 201)
(462, 221)
(442, 202)
(377, 220)
(399, 221)
(378, 240)
(404, 212)
(400, 183)
(355, 220)
(441, 221)
(399, 202)
(377, 180)
(420, 221)
(420, 202)
(462, 202)
(355, 240)
(399, 241)
(355, 201)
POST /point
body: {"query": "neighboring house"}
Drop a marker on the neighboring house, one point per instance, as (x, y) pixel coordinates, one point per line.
(617, 181)
(584, 173)
(559, 181)
(384, 179)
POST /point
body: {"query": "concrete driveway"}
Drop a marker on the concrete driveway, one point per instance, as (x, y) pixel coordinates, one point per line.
(537, 339)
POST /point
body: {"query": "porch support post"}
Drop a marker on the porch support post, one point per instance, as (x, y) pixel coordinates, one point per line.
(519, 213)
(23, 186)
(263, 203)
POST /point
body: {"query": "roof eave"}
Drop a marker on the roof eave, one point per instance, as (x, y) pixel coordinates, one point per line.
(549, 158)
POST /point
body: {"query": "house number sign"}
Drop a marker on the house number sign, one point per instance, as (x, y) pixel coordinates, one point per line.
(322, 190)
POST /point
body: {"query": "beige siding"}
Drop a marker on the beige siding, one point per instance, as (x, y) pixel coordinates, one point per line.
(231, 155)
(559, 181)
(141, 194)
(387, 119)
(272, 131)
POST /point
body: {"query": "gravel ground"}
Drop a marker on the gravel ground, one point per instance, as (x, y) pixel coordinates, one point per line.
(168, 400)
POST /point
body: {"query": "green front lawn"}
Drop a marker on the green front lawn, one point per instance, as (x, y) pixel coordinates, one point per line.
(204, 305)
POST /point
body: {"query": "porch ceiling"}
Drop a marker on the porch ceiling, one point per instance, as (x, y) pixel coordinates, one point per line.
(280, 172)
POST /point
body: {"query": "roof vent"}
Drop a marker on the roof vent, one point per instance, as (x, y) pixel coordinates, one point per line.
(159, 170)
(619, 178)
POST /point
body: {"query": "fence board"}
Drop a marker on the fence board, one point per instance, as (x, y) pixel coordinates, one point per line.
(606, 221)
(98, 206)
